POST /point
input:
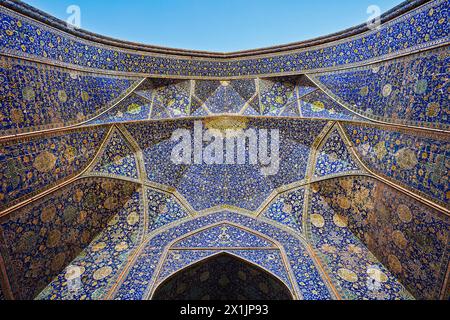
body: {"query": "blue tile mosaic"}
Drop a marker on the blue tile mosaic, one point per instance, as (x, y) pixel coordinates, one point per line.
(94, 270)
(270, 260)
(115, 234)
(310, 283)
(162, 210)
(357, 273)
(349, 216)
(287, 209)
(244, 186)
(36, 96)
(334, 157)
(133, 108)
(422, 27)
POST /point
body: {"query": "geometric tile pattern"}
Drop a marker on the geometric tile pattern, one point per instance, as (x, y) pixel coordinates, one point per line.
(225, 100)
(244, 186)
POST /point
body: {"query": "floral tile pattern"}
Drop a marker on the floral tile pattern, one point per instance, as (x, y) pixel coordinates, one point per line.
(275, 94)
(36, 96)
(408, 237)
(223, 236)
(93, 271)
(173, 95)
(92, 205)
(334, 157)
(410, 90)
(354, 269)
(135, 286)
(318, 105)
(244, 186)
(225, 100)
(287, 209)
(162, 210)
(133, 108)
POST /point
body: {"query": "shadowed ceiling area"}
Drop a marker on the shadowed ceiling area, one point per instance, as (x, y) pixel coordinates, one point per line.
(232, 25)
(317, 171)
(222, 277)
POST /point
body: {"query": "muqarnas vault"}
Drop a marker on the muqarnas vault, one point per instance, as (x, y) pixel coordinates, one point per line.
(91, 207)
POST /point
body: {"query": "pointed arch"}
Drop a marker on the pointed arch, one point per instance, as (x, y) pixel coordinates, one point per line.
(297, 257)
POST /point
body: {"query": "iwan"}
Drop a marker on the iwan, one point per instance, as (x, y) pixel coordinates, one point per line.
(192, 310)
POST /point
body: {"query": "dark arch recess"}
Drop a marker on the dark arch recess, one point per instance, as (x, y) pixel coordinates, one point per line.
(222, 277)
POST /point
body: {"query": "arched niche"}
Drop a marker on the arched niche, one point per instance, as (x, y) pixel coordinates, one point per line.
(152, 264)
(223, 277)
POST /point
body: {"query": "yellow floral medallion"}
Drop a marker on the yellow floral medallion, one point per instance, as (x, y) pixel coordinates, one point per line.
(399, 239)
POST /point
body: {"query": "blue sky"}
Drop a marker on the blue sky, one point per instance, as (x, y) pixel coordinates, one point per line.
(216, 25)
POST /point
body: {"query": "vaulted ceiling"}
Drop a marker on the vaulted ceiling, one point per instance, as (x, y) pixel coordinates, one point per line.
(362, 189)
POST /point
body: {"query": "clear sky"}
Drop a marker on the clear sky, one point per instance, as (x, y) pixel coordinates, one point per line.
(216, 25)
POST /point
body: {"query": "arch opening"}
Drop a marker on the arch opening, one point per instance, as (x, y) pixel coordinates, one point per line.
(222, 277)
